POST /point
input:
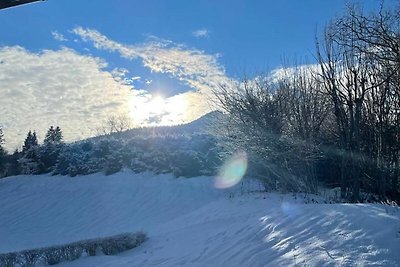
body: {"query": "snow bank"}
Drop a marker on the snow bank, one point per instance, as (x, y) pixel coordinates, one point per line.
(190, 223)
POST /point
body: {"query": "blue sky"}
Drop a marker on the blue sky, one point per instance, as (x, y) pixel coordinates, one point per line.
(141, 56)
(248, 34)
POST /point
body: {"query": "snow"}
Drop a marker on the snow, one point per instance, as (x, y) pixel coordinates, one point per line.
(191, 223)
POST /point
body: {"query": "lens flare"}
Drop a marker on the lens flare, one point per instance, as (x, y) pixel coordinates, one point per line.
(232, 171)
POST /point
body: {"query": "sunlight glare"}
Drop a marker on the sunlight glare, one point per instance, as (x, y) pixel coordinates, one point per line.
(155, 110)
(156, 104)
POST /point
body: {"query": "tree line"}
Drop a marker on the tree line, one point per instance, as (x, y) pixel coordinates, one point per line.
(33, 158)
(159, 150)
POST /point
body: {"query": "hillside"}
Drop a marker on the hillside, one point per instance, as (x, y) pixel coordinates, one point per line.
(198, 126)
(190, 223)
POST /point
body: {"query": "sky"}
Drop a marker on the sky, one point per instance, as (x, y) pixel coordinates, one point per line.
(76, 63)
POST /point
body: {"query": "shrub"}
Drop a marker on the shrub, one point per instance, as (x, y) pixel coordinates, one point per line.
(117, 244)
(90, 247)
(72, 251)
(30, 257)
(8, 259)
(52, 257)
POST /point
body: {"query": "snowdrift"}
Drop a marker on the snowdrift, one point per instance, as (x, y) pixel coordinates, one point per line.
(191, 223)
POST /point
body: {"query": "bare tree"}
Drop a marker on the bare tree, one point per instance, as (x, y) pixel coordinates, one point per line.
(359, 58)
(276, 124)
(345, 114)
(115, 124)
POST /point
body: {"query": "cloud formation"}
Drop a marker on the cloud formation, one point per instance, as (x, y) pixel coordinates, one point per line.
(201, 33)
(56, 88)
(199, 70)
(58, 36)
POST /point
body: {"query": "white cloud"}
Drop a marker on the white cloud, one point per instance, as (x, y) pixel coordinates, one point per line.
(197, 69)
(120, 75)
(287, 72)
(201, 33)
(58, 36)
(56, 88)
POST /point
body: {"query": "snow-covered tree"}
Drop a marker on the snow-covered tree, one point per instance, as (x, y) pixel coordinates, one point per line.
(30, 161)
(30, 141)
(53, 135)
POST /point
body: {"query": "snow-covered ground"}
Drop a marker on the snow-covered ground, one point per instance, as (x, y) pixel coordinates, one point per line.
(190, 223)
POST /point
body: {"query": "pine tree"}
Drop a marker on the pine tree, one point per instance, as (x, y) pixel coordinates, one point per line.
(30, 141)
(58, 135)
(49, 138)
(53, 135)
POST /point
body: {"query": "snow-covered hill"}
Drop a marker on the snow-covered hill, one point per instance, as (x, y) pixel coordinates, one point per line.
(190, 223)
(198, 126)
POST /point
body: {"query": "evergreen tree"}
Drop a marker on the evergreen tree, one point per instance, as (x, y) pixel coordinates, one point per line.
(13, 167)
(51, 149)
(58, 135)
(30, 141)
(53, 135)
(49, 138)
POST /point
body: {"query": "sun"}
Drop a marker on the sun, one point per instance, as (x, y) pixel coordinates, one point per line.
(156, 104)
(158, 110)
(177, 107)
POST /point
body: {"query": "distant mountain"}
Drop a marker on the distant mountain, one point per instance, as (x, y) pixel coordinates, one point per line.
(202, 124)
